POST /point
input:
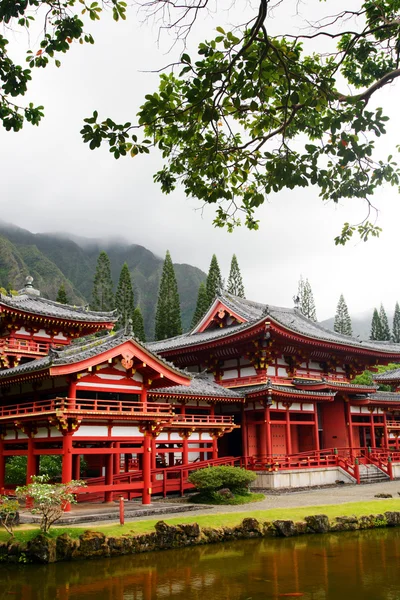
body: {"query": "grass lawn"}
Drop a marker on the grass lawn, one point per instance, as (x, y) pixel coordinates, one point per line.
(26, 532)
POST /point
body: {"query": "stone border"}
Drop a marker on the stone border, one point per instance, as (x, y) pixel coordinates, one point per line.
(94, 544)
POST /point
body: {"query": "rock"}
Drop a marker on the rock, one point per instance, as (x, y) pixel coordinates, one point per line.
(285, 528)
(92, 544)
(268, 529)
(301, 527)
(41, 549)
(192, 530)
(225, 493)
(392, 518)
(65, 547)
(120, 545)
(366, 522)
(345, 524)
(317, 524)
(383, 496)
(211, 535)
(251, 525)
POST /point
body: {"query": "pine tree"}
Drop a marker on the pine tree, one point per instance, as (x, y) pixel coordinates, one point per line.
(306, 300)
(385, 329)
(201, 306)
(214, 280)
(168, 314)
(124, 300)
(376, 327)
(396, 324)
(102, 293)
(62, 295)
(138, 325)
(342, 318)
(235, 282)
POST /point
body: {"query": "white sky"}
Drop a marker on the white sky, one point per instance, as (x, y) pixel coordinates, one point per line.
(51, 181)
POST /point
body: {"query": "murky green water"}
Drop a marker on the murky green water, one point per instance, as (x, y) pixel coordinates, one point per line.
(350, 566)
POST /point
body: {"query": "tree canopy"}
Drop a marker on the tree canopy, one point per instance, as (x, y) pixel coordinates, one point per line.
(214, 283)
(124, 298)
(305, 299)
(168, 314)
(235, 282)
(342, 322)
(251, 112)
(102, 293)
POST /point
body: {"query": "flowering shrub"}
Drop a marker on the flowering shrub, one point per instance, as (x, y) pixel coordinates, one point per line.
(49, 499)
(8, 513)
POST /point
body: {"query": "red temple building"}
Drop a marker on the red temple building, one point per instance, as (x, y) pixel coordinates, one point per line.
(252, 384)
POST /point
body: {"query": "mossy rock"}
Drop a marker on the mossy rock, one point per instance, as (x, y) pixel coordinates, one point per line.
(317, 524)
(285, 528)
(349, 523)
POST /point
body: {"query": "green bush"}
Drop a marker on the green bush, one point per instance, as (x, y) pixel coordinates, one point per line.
(212, 479)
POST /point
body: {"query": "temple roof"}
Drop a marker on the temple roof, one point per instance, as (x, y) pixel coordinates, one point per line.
(254, 312)
(288, 389)
(37, 305)
(82, 351)
(202, 386)
(384, 397)
(393, 375)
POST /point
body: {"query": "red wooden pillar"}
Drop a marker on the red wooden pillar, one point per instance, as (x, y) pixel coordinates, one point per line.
(350, 425)
(214, 447)
(385, 432)
(373, 439)
(269, 434)
(146, 496)
(153, 453)
(2, 466)
(263, 436)
(31, 460)
(288, 433)
(109, 478)
(66, 472)
(72, 392)
(212, 410)
(183, 408)
(185, 450)
(117, 459)
(76, 467)
(143, 398)
(316, 428)
(245, 451)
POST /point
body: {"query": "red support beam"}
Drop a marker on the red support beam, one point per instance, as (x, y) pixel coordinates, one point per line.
(185, 451)
(31, 462)
(143, 398)
(146, 495)
(153, 453)
(245, 451)
(76, 467)
(385, 432)
(66, 473)
(72, 391)
(215, 447)
(288, 433)
(349, 424)
(109, 478)
(268, 426)
(117, 459)
(373, 439)
(316, 428)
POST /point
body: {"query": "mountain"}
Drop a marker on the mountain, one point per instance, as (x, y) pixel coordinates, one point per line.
(53, 259)
(361, 322)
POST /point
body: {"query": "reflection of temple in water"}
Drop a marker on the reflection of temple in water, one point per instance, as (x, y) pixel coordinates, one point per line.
(357, 565)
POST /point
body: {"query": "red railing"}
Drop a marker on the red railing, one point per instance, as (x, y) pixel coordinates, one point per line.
(393, 424)
(203, 419)
(24, 347)
(169, 479)
(74, 405)
(313, 458)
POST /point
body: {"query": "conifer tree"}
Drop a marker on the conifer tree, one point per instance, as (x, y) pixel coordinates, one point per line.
(396, 324)
(138, 325)
(306, 300)
(235, 282)
(102, 293)
(342, 318)
(214, 280)
(124, 300)
(62, 295)
(202, 304)
(168, 313)
(385, 329)
(376, 327)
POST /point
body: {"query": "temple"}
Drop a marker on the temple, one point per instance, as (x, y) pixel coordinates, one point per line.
(251, 384)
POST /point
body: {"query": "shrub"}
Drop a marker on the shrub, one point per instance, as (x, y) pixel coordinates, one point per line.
(49, 499)
(8, 513)
(212, 479)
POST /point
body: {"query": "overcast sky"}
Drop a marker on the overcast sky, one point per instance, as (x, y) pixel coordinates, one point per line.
(51, 181)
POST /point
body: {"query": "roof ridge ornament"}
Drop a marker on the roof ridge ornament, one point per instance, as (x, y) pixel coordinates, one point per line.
(265, 312)
(296, 301)
(28, 288)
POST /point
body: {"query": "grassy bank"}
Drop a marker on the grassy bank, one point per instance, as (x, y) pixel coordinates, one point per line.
(27, 532)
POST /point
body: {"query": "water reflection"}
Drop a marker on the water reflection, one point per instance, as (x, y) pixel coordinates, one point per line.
(356, 566)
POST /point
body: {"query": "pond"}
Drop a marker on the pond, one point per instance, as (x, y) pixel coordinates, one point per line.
(356, 565)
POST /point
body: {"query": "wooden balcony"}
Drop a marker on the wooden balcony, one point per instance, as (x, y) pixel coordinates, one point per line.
(14, 347)
(121, 410)
(393, 424)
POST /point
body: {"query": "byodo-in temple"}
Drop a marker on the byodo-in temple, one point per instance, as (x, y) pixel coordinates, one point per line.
(252, 385)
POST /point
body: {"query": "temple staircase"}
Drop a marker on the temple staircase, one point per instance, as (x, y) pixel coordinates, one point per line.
(372, 474)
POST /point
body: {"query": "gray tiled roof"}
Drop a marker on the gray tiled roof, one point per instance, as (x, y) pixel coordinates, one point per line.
(385, 397)
(200, 385)
(41, 306)
(290, 318)
(332, 384)
(393, 375)
(265, 387)
(82, 351)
